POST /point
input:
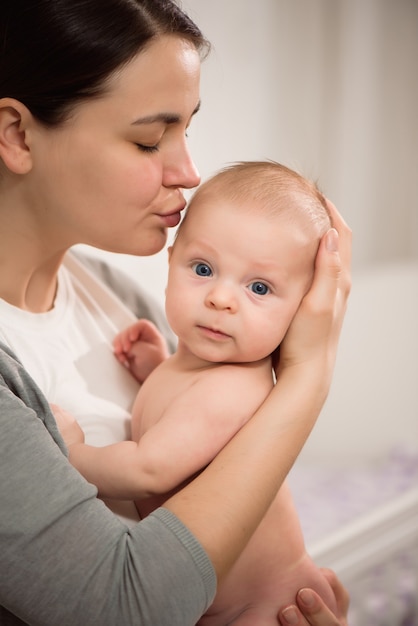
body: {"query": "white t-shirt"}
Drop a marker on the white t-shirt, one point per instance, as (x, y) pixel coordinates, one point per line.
(68, 353)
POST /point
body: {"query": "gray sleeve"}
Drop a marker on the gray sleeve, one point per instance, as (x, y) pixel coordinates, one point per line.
(65, 558)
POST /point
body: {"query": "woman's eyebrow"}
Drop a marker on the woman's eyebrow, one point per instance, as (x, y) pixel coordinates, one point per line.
(165, 118)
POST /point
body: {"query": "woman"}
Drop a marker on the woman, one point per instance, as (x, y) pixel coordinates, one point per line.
(95, 102)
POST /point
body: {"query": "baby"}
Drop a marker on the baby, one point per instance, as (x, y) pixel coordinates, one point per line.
(241, 263)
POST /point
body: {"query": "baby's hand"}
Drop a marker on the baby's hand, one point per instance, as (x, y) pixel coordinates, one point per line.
(68, 426)
(140, 348)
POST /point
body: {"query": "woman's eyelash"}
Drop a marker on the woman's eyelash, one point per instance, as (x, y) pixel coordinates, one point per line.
(149, 149)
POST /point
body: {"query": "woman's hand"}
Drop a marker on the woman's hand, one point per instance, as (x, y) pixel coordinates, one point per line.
(314, 332)
(313, 339)
(312, 611)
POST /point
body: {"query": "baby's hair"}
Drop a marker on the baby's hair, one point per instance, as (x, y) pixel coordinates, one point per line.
(273, 188)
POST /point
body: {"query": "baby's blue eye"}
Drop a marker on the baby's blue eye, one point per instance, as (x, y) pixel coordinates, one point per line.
(259, 288)
(202, 269)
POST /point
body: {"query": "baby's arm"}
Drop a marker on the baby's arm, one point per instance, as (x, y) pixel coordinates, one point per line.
(140, 348)
(196, 424)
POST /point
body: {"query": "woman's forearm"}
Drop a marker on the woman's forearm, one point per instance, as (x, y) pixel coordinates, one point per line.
(234, 492)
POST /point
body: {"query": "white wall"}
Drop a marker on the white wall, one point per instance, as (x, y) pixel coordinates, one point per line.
(328, 87)
(372, 408)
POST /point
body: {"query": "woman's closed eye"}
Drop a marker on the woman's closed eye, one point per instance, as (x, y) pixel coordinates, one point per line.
(148, 149)
(151, 148)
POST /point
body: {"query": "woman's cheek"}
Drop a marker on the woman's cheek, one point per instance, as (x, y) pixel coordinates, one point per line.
(149, 178)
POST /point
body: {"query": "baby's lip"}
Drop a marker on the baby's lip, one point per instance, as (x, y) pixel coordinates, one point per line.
(215, 332)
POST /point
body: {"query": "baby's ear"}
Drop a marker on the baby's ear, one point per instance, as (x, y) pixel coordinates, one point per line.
(15, 121)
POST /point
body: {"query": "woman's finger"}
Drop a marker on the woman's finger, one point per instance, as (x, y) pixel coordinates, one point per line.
(340, 592)
(327, 273)
(345, 237)
(310, 611)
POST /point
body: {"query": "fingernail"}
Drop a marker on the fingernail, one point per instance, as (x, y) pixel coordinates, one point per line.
(290, 616)
(307, 597)
(332, 240)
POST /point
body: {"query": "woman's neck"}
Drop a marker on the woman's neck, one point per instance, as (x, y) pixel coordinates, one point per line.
(30, 253)
(27, 284)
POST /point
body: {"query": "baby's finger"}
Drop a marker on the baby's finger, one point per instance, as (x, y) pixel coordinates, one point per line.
(146, 331)
(117, 345)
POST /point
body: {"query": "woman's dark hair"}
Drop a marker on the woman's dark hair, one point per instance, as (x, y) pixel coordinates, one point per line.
(56, 53)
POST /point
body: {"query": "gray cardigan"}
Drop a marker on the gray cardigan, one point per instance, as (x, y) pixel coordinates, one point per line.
(65, 558)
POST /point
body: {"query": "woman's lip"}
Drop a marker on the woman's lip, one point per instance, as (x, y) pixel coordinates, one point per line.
(171, 219)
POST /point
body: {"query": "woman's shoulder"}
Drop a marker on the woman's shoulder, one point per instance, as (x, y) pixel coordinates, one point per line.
(12, 372)
(15, 378)
(20, 395)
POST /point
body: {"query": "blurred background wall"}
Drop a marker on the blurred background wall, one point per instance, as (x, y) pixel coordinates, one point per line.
(328, 87)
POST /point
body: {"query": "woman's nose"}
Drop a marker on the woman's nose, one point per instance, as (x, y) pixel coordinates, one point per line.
(181, 170)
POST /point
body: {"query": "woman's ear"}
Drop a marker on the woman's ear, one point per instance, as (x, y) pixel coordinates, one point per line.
(15, 120)
(169, 250)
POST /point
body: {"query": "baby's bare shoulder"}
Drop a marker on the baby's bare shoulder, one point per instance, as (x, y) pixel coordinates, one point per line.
(247, 383)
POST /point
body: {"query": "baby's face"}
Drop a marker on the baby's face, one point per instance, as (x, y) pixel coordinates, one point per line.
(236, 279)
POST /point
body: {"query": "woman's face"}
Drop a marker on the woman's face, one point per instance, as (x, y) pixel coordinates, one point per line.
(112, 176)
